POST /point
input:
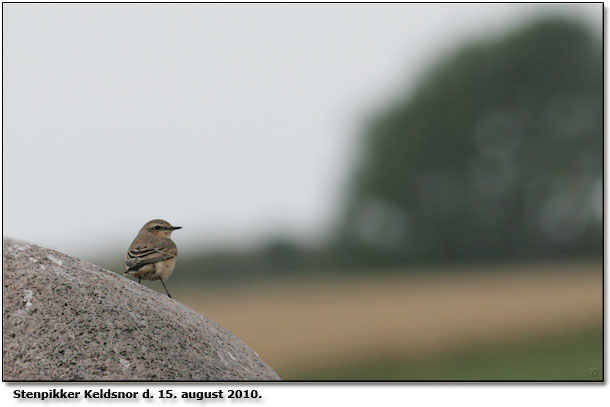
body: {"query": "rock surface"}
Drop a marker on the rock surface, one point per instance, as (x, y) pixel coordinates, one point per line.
(66, 319)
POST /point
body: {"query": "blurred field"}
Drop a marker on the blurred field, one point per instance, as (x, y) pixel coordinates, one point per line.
(392, 326)
(569, 356)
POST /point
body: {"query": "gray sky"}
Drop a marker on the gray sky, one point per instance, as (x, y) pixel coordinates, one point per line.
(235, 121)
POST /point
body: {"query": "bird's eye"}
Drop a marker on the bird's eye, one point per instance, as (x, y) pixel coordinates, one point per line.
(158, 227)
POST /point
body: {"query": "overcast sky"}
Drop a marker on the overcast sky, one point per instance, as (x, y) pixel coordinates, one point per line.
(235, 121)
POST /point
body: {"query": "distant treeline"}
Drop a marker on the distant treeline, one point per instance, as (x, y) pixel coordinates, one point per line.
(496, 155)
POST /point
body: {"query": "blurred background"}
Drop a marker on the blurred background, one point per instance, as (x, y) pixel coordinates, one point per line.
(386, 192)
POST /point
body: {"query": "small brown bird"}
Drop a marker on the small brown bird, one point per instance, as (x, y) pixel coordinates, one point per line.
(152, 254)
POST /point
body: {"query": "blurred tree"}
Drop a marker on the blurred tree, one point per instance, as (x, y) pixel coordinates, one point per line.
(497, 154)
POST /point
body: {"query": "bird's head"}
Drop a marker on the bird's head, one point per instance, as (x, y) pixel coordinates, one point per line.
(159, 227)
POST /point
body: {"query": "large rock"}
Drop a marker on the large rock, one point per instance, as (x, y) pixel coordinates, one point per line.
(66, 319)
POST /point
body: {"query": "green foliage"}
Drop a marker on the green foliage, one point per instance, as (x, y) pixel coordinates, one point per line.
(497, 154)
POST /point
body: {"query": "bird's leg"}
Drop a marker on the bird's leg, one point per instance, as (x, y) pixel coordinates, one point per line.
(168, 294)
(139, 278)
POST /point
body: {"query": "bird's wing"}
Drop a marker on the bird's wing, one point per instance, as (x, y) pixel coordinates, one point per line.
(140, 255)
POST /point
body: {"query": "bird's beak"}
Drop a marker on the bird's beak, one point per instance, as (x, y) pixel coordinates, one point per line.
(176, 227)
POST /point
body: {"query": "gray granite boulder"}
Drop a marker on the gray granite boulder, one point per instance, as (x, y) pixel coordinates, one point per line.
(67, 319)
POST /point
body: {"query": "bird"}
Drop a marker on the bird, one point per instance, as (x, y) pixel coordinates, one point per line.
(152, 254)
